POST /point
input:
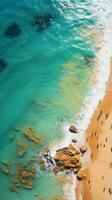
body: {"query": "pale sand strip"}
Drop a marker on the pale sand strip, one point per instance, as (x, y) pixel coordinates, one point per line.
(98, 184)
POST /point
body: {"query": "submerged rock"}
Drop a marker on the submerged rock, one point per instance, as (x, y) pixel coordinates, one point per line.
(3, 65)
(42, 21)
(5, 169)
(73, 129)
(21, 149)
(23, 178)
(31, 135)
(12, 30)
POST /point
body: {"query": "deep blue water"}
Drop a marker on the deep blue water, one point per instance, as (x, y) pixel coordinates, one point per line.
(43, 84)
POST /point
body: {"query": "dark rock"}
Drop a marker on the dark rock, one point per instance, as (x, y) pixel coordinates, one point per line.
(73, 129)
(48, 19)
(12, 31)
(38, 21)
(3, 65)
(42, 21)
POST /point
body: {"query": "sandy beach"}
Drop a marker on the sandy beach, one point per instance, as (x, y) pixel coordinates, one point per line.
(98, 184)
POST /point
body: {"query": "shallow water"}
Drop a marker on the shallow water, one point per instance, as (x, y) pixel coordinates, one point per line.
(44, 83)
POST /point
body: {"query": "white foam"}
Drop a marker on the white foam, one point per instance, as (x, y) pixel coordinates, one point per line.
(102, 66)
(69, 189)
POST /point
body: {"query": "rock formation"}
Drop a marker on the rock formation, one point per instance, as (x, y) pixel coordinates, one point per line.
(68, 159)
(31, 135)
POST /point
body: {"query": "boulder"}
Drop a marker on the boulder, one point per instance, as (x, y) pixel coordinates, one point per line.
(12, 30)
(73, 129)
(68, 158)
(74, 140)
(83, 148)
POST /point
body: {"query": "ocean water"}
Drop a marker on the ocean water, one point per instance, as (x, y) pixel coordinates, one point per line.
(43, 84)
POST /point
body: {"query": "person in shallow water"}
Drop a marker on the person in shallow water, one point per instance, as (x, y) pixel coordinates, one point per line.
(42, 21)
(12, 31)
(3, 65)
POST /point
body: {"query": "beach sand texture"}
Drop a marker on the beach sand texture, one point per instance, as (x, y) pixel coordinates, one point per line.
(98, 184)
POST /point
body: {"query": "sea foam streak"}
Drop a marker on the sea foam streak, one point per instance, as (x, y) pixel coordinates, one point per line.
(103, 9)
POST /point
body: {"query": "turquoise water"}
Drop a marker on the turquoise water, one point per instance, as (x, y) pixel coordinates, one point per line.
(43, 85)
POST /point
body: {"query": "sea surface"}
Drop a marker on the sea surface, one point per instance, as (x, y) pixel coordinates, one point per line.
(44, 79)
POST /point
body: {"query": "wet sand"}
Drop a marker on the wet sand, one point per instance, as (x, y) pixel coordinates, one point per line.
(98, 184)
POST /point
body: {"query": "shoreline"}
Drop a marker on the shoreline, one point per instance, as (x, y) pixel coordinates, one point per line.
(96, 185)
(98, 81)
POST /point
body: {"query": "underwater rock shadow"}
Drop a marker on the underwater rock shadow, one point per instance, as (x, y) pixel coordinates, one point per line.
(12, 31)
(3, 65)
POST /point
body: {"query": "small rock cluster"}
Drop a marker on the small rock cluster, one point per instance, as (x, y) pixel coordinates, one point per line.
(68, 159)
(23, 178)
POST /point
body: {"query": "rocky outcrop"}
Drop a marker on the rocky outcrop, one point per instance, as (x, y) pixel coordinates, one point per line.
(73, 129)
(23, 178)
(68, 159)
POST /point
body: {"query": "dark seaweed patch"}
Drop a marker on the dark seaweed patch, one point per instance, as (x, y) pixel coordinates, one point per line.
(12, 31)
(3, 65)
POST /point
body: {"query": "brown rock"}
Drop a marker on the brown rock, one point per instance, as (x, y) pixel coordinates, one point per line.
(56, 169)
(68, 158)
(83, 148)
(21, 148)
(74, 140)
(73, 129)
(31, 135)
(27, 184)
(81, 175)
(15, 184)
(25, 173)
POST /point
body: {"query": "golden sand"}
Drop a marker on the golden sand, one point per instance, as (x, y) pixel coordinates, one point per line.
(98, 184)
